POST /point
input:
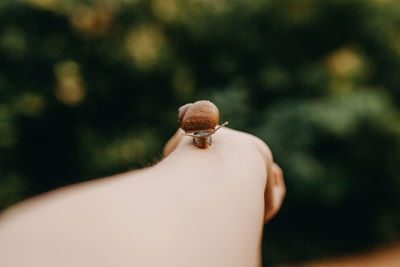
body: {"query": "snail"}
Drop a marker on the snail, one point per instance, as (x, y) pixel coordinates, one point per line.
(199, 120)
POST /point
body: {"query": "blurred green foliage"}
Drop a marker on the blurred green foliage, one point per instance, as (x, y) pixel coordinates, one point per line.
(91, 88)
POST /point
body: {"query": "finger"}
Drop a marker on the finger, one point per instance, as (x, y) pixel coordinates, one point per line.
(277, 191)
(279, 186)
(279, 181)
(173, 142)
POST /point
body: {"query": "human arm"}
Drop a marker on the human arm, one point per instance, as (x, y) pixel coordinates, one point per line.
(194, 208)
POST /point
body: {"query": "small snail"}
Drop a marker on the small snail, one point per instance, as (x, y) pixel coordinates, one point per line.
(199, 120)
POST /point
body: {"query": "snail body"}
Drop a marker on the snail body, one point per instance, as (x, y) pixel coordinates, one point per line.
(199, 120)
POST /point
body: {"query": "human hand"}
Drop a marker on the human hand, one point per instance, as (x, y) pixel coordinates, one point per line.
(242, 158)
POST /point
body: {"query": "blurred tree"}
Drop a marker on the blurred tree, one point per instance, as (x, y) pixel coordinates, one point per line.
(91, 88)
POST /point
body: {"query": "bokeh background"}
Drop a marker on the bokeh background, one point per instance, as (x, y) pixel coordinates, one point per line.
(91, 88)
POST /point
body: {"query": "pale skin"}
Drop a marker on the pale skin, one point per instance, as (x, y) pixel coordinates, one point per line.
(196, 207)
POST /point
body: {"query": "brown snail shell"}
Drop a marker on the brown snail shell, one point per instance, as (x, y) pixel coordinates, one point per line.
(201, 116)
